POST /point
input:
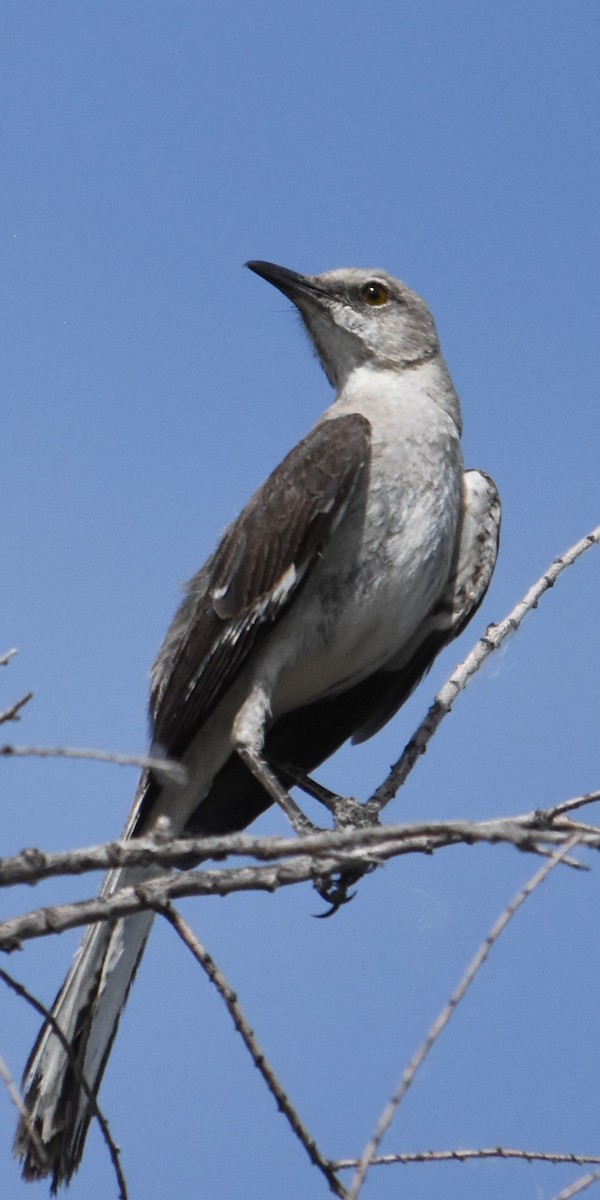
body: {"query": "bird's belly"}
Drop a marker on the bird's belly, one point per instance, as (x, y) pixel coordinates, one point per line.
(360, 608)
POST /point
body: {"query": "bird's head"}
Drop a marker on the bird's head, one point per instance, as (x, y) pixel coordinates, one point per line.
(357, 316)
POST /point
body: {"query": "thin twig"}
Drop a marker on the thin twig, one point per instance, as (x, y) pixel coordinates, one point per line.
(580, 1185)
(17, 1100)
(447, 1012)
(7, 656)
(44, 1012)
(12, 713)
(492, 639)
(248, 1036)
(568, 805)
(163, 766)
(427, 1156)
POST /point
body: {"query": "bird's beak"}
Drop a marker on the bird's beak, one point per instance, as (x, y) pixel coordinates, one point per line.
(293, 285)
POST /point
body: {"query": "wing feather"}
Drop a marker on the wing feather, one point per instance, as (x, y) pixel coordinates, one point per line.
(249, 582)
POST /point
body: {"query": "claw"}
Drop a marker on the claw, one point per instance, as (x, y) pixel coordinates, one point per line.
(335, 891)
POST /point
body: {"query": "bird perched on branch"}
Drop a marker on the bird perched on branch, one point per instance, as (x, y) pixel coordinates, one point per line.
(366, 551)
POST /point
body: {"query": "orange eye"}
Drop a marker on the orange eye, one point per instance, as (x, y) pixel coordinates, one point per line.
(375, 293)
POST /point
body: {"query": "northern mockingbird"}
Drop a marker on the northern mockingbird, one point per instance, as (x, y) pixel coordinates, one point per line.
(366, 551)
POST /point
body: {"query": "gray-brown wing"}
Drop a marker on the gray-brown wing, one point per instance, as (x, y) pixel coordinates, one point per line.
(249, 582)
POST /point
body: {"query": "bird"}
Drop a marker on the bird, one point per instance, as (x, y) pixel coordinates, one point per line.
(365, 552)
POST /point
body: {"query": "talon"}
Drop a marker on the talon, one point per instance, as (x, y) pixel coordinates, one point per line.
(335, 891)
(335, 905)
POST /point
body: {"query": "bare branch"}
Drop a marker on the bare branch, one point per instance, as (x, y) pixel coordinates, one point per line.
(314, 856)
(580, 1185)
(492, 639)
(526, 831)
(426, 1156)
(12, 713)
(238, 1017)
(447, 1012)
(158, 892)
(45, 1013)
(164, 766)
(328, 854)
(568, 805)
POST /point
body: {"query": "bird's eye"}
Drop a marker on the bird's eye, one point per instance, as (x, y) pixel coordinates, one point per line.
(375, 293)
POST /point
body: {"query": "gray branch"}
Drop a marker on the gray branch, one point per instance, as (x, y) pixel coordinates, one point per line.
(291, 861)
(492, 639)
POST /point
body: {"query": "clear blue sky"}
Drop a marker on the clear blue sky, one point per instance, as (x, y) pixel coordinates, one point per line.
(148, 385)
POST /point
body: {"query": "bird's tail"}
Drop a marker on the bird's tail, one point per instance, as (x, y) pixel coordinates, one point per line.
(87, 1010)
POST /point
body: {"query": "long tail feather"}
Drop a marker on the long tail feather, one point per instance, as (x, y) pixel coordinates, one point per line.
(87, 1009)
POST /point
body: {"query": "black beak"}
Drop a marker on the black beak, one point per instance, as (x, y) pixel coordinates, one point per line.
(293, 285)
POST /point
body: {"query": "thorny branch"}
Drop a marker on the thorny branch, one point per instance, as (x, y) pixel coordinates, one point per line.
(549, 832)
(460, 1156)
(238, 1016)
(491, 640)
(292, 861)
(444, 1017)
(526, 831)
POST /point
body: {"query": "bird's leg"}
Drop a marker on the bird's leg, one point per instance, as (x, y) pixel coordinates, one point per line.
(275, 789)
(309, 785)
(348, 814)
(248, 741)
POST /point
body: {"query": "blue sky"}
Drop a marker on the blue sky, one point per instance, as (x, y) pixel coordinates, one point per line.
(148, 385)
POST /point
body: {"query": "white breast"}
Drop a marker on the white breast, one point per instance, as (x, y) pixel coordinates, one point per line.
(389, 560)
